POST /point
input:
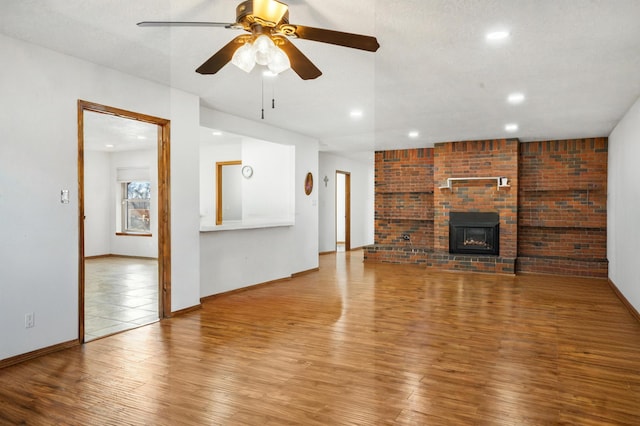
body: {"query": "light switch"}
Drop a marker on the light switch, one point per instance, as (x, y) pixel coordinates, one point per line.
(64, 196)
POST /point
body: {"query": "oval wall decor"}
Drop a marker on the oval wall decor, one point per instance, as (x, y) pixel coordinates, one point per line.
(308, 183)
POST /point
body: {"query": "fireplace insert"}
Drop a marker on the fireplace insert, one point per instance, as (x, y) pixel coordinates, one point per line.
(474, 233)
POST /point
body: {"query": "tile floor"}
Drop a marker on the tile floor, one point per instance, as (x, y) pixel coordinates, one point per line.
(120, 293)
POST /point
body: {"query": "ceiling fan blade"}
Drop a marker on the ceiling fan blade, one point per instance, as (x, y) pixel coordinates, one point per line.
(299, 63)
(355, 41)
(222, 56)
(185, 24)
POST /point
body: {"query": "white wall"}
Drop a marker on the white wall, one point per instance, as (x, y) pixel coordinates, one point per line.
(98, 203)
(38, 158)
(231, 192)
(102, 204)
(269, 195)
(185, 193)
(623, 206)
(362, 200)
(126, 245)
(239, 258)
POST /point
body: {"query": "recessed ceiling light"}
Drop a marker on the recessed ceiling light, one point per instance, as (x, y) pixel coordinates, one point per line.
(141, 137)
(414, 134)
(216, 133)
(511, 127)
(515, 98)
(497, 35)
(356, 113)
(109, 145)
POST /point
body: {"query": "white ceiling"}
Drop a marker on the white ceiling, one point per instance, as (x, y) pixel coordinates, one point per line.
(105, 132)
(576, 61)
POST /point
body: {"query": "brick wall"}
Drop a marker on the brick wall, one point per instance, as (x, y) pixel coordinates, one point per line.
(472, 159)
(403, 206)
(563, 207)
(552, 217)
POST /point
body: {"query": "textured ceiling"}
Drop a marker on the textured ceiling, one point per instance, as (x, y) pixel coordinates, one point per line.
(577, 62)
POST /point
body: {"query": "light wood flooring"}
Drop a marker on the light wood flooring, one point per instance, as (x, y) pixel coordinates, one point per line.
(121, 293)
(356, 344)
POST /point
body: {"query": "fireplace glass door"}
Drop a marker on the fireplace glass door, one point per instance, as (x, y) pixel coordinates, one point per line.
(473, 233)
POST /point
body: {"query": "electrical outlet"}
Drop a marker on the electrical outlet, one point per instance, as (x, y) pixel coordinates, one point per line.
(29, 320)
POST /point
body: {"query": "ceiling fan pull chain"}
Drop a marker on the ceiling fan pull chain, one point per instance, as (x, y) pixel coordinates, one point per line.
(273, 96)
(262, 81)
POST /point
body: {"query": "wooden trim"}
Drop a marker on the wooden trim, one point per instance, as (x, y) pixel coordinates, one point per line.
(219, 165)
(37, 353)
(347, 211)
(242, 290)
(127, 234)
(101, 256)
(164, 204)
(186, 310)
(164, 223)
(81, 217)
(632, 310)
(308, 271)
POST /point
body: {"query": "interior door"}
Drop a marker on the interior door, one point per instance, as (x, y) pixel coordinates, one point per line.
(163, 206)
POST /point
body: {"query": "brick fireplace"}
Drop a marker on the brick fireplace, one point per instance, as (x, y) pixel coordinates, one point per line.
(482, 163)
(549, 199)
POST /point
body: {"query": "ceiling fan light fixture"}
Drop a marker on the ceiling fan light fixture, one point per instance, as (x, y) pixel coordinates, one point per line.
(244, 58)
(267, 22)
(262, 48)
(278, 61)
(261, 51)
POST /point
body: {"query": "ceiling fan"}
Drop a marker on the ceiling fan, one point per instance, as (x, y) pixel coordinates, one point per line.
(267, 21)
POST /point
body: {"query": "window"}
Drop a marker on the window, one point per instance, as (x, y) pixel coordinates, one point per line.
(136, 207)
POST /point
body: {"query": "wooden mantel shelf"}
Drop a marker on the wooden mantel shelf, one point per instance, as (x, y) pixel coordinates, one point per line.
(498, 179)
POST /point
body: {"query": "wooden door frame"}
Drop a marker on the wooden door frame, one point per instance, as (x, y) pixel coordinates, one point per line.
(164, 205)
(347, 209)
(219, 166)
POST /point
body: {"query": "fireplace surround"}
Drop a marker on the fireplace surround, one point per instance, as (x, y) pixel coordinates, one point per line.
(474, 233)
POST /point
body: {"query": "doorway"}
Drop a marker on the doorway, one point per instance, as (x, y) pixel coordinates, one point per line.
(343, 211)
(132, 215)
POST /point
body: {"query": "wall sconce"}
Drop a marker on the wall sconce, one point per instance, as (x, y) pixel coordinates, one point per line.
(326, 180)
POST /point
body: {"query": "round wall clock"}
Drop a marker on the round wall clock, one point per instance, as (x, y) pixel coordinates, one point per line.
(308, 183)
(247, 171)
